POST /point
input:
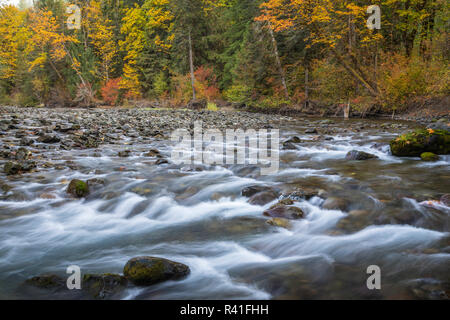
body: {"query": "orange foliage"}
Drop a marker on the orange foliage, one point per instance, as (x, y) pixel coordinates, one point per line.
(110, 91)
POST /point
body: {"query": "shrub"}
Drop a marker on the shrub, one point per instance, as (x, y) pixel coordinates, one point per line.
(110, 91)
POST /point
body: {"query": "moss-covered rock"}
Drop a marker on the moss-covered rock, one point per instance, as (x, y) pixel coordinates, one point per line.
(46, 281)
(78, 188)
(279, 222)
(429, 156)
(102, 286)
(150, 270)
(14, 167)
(415, 143)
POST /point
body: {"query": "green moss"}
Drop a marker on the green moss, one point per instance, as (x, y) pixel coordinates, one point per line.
(78, 188)
(415, 143)
(429, 156)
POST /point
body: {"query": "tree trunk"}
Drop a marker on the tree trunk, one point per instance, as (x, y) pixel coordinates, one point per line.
(277, 59)
(306, 87)
(191, 66)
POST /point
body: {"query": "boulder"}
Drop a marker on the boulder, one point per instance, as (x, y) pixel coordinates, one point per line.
(359, 155)
(415, 143)
(429, 156)
(150, 270)
(78, 188)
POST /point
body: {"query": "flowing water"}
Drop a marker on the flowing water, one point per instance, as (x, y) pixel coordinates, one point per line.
(197, 216)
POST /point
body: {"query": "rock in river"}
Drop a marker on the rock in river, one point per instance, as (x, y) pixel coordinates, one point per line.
(359, 155)
(429, 156)
(425, 140)
(333, 203)
(101, 286)
(78, 188)
(281, 210)
(14, 167)
(151, 270)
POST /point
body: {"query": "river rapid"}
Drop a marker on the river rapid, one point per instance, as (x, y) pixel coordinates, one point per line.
(198, 216)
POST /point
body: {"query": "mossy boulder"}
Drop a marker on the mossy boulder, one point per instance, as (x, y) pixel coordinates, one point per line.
(46, 281)
(102, 286)
(145, 271)
(78, 188)
(415, 143)
(16, 167)
(429, 156)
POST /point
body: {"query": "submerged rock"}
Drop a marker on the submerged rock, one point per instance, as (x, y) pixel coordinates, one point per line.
(78, 188)
(283, 209)
(415, 143)
(14, 167)
(48, 138)
(359, 155)
(47, 281)
(334, 203)
(263, 198)
(279, 222)
(429, 156)
(151, 270)
(101, 286)
(251, 190)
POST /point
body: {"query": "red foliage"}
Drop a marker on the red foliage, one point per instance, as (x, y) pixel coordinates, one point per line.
(110, 91)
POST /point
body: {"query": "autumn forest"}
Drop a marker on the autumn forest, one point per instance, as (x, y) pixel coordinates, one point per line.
(265, 54)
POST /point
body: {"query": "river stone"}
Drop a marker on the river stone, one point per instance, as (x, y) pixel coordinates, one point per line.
(263, 198)
(25, 141)
(47, 281)
(14, 167)
(334, 203)
(311, 130)
(23, 154)
(150, 270)
(429, 156)
(415, 143)
(101, 286)
(124, 153)
(279, 222)
(48, 138)
(283, 211)
(359, 155)
(78, 188)
(251, 190)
